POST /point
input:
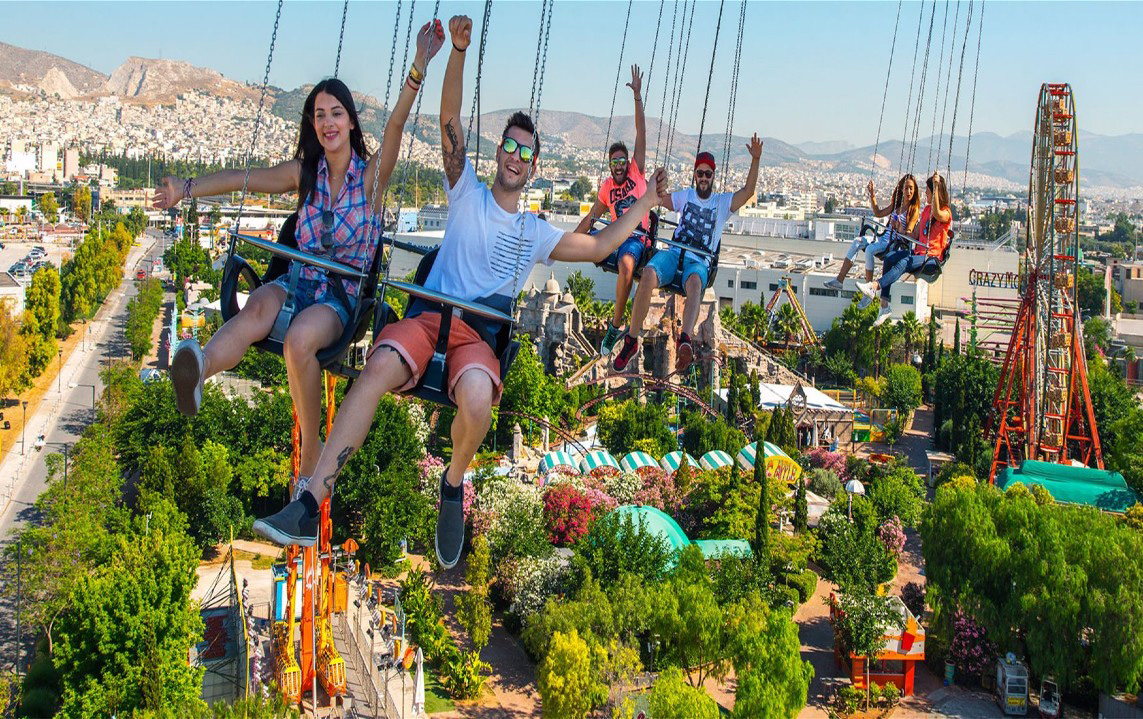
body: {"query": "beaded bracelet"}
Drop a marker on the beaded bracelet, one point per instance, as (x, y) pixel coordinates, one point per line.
(187, 187)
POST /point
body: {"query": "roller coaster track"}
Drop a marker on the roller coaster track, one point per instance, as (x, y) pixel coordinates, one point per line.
(651, 381)
(567, 437)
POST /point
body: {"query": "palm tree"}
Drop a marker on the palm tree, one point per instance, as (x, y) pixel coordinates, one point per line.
(787, 323)
(912, 332)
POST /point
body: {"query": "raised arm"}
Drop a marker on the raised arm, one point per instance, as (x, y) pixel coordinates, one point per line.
(877, 211)
(742, 196)
(280, 178)
(597, 210)
(429, 41)
(636, 85)
(940, 212)
(580, 247)
(460, 32)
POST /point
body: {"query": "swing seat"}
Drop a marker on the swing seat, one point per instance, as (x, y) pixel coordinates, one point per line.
(676, 284)
(333, 358)
(433, 385)
(611, 262)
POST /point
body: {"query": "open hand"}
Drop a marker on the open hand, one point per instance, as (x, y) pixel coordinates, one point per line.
(754, 147)
(429, 41)
(168, 194)
(460, 28)
(636, 83)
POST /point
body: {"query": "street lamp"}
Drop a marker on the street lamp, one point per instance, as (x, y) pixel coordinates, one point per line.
(24, 429)
(853, 487)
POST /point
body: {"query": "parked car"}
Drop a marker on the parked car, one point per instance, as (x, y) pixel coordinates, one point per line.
(140, 275)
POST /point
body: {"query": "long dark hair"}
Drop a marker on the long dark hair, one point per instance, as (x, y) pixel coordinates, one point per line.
(914, 212)
(309, 150)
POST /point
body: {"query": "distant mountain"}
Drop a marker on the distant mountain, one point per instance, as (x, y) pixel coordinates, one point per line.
(151, 80)
(827, 147)
(22, 69)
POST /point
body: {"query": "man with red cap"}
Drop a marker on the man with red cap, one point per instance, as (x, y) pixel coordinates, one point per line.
(701, 217)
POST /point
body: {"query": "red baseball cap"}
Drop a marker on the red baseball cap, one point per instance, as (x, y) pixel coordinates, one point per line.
(704, 158)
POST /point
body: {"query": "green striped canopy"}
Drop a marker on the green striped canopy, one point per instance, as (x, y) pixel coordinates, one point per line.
(596, 459)
(715, 459)
(671, 462)
(778, 463)
(554, 460)
(637, 460)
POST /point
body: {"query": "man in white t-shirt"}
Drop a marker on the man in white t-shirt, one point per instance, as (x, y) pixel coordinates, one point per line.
(701, 217)
(488, 250)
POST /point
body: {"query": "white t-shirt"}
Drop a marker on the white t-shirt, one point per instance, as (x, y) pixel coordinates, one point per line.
(701, 221)
(482, 251)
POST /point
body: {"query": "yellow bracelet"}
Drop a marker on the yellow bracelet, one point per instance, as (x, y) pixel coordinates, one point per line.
(416, 74)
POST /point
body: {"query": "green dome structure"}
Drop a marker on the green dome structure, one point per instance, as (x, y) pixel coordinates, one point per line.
(661, 524)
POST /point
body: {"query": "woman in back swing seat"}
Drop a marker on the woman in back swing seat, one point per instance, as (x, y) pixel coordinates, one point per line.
(903, 211)
(339, 216)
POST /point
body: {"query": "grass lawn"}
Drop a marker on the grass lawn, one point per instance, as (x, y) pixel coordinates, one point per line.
(257, 561)
(436, 698)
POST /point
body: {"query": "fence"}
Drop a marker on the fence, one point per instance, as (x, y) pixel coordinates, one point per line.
(367, 645)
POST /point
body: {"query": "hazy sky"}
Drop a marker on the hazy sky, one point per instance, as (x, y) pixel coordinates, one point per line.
(809, 70)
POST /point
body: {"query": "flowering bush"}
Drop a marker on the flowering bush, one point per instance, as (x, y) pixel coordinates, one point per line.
(970, 649)
(659, 491)
(567, 514)
(601, 502)
(534, 581)
(623, 487)
(892, 535)
(555, 477)
(419, 421)
(431, 468)
(512, 515)
(822, 458)
(913, 595)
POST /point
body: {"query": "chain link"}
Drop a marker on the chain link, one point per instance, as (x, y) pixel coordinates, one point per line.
(543, 63)
(909, 100)
(972, 104)
(340, 38)
(475, 112)
(733, 95)
(678, 96)
(710, 75)
(615, 91)
(669, 78)
(885, 93)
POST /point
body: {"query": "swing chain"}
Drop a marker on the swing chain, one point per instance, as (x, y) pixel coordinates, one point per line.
(937, 94)
(615, 88)
(956, 102)
(733, 95)
(663, 104)
(909, 100)
(340, 37)
(475, 112)
(543, 63)
(678, 97)
(948, 78)
(885, 93)
(710, 75)
(972, 104)
(257, 125)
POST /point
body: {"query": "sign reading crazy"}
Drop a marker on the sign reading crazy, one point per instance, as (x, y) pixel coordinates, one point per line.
(1003, 280)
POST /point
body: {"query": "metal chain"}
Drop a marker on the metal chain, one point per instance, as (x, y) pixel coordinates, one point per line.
(393, 55)
(340, 38)
(909, 100)
(377, 166)
(948, 78)
(937, 94)
(387, 258)
(475, 112)
(921, 88)
(539, 47)
(733, 95)
(257, 125)
(668, 77)
(543, 63)
(710, 75)
(972, 104)
(654, 51)
(682, 73)
(885, 93)
(615, 91)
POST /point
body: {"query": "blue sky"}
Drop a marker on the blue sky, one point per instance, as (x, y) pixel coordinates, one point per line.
(809, 70)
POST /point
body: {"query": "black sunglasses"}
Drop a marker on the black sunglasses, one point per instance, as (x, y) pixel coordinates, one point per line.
(510, 145)
(704, 174)
(326, 229)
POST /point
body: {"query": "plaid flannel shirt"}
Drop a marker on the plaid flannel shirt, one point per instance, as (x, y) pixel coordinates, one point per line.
(355, 226)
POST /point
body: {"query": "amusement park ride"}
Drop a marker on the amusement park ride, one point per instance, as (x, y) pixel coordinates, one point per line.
(1042, 406)
(805, 336)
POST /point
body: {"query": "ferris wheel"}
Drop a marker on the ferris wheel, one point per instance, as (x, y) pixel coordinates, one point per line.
(1042, 406)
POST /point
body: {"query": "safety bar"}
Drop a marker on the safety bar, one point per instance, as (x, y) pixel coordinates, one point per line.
(868, 223)
(465, 306)
(290, 253)
(689, 248)
(604, 221)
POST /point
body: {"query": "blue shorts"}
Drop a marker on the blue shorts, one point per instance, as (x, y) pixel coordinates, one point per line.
(666, 266)
(304, 297)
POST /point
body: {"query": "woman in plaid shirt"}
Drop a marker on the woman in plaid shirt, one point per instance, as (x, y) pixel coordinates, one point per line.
(339, 212)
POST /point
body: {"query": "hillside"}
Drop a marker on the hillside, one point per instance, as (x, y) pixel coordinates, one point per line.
(25, 69)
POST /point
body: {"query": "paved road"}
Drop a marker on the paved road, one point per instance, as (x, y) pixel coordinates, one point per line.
(62, 417)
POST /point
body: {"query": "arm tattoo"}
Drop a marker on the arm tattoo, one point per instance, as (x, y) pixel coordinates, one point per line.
(454, 156)
(342, 458)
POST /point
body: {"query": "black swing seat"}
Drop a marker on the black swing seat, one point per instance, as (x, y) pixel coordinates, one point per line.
(333, 358)
(611, 262)
(676, 283)
(493, 325)
(928, 272)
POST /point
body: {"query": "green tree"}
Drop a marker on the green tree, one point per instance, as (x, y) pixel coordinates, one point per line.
(862, 623)
(41, 316)
(902, 388)
(81, 203)
(1091, 293)
(761, 546)
(49, 206)
(787, 323)
(623, 424)
(582, 288)
(530, 390)
(473, 608)
(672, 698)
(13, 352)
(580, 187)
(764, 648)
(898, 493)
(567, 687)
(702, 433)
(963, 387)
(617, 545)
(801, 509)
(688, 620)
(850, 552)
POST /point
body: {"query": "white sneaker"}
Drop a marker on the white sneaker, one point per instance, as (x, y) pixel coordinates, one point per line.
(882, 317)
(866, 288)
(864, 302)
(833, 284)
(187, 370)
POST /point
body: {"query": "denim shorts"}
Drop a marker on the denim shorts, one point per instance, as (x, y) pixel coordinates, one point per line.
(666, 265)
(304, 297)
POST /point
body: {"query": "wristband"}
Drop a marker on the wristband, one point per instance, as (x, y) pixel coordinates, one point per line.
(416, 74)
(454, 47)
(414, 86)
(187, 188)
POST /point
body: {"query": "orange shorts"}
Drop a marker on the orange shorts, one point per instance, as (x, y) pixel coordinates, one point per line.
(415, 338)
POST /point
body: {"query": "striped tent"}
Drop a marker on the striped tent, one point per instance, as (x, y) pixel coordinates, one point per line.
(671, 462)
(715, 459)
(599, 463)
(561, 461)
(637, 460)
(778, 464)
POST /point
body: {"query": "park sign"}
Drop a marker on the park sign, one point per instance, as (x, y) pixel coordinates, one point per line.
(778, 464)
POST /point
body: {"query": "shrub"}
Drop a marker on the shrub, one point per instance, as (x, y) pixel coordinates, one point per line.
(825, 483)
(567, 514)
(618, 544)
(805, 582)
(970, 649)
(623, 487)
(847, 699)
(535, 580)
(821, 458)
(39, 702)
(892, 535)
(513, 516)
(913, 595)
(464, 675)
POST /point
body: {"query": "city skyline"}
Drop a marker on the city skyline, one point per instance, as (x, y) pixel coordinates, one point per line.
(850, 48)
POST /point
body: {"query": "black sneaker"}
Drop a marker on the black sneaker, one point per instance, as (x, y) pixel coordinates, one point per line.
(450, 527)
(292, 525)
(686, 353)
(630, 344)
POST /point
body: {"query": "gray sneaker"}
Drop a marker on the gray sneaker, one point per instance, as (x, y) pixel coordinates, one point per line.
(834, 284)
(609, 339)
(450, 528)
(187, 369)
(865, 301)
(292, 525)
